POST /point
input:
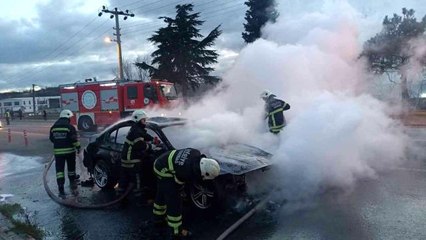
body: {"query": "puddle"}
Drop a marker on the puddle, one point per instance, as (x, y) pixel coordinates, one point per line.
(4, 197)
(11, 164)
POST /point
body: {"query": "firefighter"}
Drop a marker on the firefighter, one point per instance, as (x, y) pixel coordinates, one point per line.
(135, 154)
(7, 115)
(274, 111)
(173, 169)
(65, 144)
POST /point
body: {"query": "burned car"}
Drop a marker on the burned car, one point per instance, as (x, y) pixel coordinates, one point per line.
(102, 158)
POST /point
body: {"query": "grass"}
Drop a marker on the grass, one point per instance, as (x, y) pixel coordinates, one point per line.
(10, 210)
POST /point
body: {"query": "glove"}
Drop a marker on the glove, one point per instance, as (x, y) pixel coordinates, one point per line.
(159, 147)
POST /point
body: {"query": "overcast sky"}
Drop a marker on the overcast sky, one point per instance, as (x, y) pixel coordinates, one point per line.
(51, 42)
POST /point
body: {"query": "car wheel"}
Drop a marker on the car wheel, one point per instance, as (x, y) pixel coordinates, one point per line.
(102, 175)
(85, 123)
(204, 195)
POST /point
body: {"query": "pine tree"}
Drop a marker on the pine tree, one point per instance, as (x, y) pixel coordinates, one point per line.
(258, 14)
(181, 58)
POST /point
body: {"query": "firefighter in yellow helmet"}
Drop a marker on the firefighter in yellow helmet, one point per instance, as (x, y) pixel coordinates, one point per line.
(173, 169)
(65, 144)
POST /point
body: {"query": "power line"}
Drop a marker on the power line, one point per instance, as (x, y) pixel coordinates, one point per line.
(55, 50)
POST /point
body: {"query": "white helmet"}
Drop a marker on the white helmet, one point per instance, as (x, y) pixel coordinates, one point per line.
(139, 114)
(210, 169)
(66, 114)
(265, 94)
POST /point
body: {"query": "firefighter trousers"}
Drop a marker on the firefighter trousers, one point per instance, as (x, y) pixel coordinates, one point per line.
(60, 161)
(168, 200)
(130, 175)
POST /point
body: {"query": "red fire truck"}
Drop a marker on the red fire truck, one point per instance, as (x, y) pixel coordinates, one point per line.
(102, 103)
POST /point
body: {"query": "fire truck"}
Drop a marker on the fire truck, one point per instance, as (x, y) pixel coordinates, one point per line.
(101, 103)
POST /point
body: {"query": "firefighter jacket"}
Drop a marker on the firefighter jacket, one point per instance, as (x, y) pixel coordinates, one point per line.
(274, 108)
(64, 137)
(136, 146)
(182, 165)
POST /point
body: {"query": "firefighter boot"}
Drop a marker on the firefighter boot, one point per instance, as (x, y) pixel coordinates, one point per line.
(61, 191)
(183, 235)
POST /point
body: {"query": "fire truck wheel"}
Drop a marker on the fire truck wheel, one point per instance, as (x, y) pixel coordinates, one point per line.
(85, 123)
(102, 175)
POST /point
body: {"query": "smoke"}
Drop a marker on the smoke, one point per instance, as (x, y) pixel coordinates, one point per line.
(337, 132)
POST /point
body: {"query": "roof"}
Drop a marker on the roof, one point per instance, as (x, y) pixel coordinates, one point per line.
(167, 121)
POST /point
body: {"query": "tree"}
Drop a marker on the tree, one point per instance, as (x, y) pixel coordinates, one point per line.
(390, 50)
(142, 73)
(258, 14)
(181, 58)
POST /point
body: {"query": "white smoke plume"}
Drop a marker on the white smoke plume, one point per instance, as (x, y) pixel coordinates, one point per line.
(336, 133)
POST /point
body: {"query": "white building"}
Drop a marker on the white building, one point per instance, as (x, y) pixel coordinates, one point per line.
(26, 104)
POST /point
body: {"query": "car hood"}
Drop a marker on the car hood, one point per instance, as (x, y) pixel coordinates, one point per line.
(238, 159)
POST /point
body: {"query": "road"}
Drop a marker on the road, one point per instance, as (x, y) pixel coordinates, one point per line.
(393, 206)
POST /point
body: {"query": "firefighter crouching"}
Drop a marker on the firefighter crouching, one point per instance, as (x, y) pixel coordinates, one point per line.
(173, 169)
(65, 144)
(134, 156)
(274, 111)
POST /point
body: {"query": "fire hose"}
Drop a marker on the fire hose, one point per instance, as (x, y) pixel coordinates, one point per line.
(246, 216)
(74, 204)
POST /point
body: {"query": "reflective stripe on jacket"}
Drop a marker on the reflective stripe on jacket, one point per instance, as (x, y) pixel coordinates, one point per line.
(274, 109)
(63, 135)
(136, 146)
(183, 165)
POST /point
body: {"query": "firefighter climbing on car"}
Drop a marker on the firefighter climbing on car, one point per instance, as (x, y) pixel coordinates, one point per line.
(135, 156)
(173, 169)
(63, 135)
(274, 111)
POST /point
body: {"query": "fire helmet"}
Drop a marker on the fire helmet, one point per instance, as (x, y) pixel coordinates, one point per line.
(139, 114)
(66, 114)
(210, 169)
(265, 94)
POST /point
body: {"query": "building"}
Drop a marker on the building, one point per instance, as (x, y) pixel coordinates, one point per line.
(26, 104)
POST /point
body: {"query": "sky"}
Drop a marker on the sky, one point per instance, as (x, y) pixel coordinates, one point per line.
(48, 42)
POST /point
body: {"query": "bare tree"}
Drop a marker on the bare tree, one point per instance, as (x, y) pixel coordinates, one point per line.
(128, 70)
(143, 74)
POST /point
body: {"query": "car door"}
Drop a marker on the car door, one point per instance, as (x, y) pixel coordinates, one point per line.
(113, 143)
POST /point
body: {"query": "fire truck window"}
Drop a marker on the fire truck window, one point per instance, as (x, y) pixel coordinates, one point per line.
(122, 133)
(149, 92)
(169, 91)
(132, 92)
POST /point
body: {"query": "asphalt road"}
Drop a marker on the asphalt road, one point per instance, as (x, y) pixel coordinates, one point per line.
(393, 206)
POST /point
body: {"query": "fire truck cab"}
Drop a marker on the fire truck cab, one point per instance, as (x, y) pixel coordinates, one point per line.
(105, 102)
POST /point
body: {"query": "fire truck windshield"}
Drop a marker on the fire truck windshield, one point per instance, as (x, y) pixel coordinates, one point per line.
(169, 91)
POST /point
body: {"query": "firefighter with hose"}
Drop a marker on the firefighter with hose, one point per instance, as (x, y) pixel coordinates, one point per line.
(173, 169)
(135, 157)
(63, 135)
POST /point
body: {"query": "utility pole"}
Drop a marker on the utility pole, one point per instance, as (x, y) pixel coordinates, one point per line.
(115, 13)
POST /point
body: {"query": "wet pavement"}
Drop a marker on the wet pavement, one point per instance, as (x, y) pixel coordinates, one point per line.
(393, 206)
